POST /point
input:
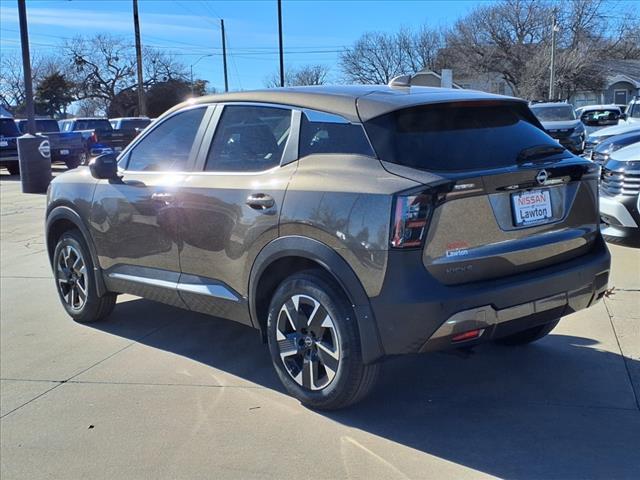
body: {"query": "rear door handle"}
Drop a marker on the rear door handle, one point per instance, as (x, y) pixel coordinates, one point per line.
(163, 197)
(260, 201)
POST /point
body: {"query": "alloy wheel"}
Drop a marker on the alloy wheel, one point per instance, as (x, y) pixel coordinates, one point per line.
(71, 276)
(308, 342)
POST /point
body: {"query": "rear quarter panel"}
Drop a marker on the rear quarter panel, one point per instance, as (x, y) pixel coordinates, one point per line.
(344, 201)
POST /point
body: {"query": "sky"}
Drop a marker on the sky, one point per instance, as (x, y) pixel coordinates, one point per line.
(314, 31)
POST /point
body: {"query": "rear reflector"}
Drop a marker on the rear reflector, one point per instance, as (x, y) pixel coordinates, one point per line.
(470, 335)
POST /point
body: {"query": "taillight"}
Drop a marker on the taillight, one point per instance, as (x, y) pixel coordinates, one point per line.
(411, 213)
(94, 137)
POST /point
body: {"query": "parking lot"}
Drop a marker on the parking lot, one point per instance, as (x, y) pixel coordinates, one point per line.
(158, 392)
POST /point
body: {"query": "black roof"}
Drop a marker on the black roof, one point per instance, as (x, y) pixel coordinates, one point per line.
(354, 102)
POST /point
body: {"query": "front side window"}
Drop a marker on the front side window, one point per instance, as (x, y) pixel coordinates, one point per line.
(167, 147)
(249, 139)
(327, 133)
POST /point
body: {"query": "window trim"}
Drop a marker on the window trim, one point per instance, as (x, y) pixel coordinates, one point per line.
(125, 156)
(289, 154)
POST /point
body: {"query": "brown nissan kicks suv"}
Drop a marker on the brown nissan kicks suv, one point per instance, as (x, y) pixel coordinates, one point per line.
(346, 224)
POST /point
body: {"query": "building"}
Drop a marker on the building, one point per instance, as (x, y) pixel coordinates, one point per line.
(622, 83)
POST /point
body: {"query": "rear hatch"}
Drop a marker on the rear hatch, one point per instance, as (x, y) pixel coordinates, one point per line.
(508, 198)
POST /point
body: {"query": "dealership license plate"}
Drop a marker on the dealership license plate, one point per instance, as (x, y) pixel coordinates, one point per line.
(531, 207)
(64, 152)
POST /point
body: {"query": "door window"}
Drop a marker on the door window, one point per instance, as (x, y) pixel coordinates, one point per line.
(249, 139)
(167, 147)
(327, 133)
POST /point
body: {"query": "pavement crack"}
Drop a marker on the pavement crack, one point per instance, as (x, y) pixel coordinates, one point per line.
(624, 357)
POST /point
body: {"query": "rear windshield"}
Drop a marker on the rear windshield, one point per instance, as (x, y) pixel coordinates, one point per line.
(98, 124)
(456, 136)
(554, 114)
(41, 126)
(8, 128)
(132, 124)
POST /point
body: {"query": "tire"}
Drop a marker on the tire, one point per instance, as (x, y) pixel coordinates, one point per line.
(318, 359)
(527, 336)
(73, 162)
(14, 169)
(75, 282)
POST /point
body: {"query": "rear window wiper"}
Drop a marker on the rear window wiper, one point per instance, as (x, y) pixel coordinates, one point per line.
(539, 151)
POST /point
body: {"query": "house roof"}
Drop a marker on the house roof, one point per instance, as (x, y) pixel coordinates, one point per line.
(354, 102)
(621, 70)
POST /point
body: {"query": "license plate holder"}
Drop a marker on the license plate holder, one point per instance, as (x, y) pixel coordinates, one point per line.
(531, 207)
(64, 151)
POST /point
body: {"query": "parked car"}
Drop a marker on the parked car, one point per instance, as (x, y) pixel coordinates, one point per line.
(98, 134)
(594, 139)
(559, 120)
(632, 113)
(605, 149)
(9, 145)
(595, 117)
(67, 147)
(619, 196)
(130, 124)
(346, 224)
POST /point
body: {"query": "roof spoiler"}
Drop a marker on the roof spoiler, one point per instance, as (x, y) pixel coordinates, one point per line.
(400, 81)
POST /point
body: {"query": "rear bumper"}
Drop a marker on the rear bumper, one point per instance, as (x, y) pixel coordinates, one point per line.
(415, 313)
(58, 156)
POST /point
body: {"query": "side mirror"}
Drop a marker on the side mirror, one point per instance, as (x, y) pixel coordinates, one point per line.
(104, 167)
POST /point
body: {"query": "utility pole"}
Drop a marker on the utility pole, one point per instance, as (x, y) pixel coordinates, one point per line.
(142, 111)
(26, 66)
(224, 56)
(552, 79)
(280, 42)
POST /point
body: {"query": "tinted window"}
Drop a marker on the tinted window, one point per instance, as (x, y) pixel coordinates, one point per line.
(594, 118)
(249, 139)
(456, 136)
(325, 133)
(133, 123)
(95, 124)
(41, 126)
(8, 128)
(634, 110)
(554, 114)
(167, 146)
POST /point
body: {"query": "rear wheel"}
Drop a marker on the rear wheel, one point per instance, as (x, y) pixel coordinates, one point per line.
(14, 169)
(74, 162)
(529, 335)
(314, 343)
(73, 271)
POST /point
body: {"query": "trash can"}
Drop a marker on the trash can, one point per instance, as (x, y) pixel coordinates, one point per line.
(34, 154)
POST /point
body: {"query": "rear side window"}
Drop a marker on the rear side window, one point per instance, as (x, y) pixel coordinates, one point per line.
(133, 123)
(456, 136)
(167, 147)
(249, 139)
(8, 128)
(326, 133)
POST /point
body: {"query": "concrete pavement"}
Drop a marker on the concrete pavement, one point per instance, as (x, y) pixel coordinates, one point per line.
(157, 392)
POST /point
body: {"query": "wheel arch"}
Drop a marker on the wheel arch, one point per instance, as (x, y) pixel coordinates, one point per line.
(61, 218)
(295, 253)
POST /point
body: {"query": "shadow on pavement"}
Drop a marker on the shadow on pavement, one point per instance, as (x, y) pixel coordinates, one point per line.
(559, 408)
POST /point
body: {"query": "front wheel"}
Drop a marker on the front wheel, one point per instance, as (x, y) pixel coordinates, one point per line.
(527, 336)
(73, 271)
(315, 345)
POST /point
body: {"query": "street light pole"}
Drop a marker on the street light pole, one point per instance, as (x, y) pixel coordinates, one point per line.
(552, 79)
(194, 64)
(136, 25)
(280, 43)
(26, 66)
(224, 56)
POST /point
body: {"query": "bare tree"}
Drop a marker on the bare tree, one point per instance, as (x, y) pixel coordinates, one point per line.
(305, 75)
(12, 93)
(103, 67)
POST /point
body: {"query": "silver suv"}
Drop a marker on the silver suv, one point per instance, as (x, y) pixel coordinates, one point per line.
(345, 224)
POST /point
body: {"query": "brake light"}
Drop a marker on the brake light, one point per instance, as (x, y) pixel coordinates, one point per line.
(410, 218)
(94, 137)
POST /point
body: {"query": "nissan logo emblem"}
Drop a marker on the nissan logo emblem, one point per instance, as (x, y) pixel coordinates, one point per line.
(542, 176)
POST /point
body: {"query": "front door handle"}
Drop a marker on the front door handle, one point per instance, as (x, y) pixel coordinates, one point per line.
(163, 197)
(260, 201)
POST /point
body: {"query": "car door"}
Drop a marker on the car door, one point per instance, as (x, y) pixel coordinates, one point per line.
(134, 221)
(231, 205)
